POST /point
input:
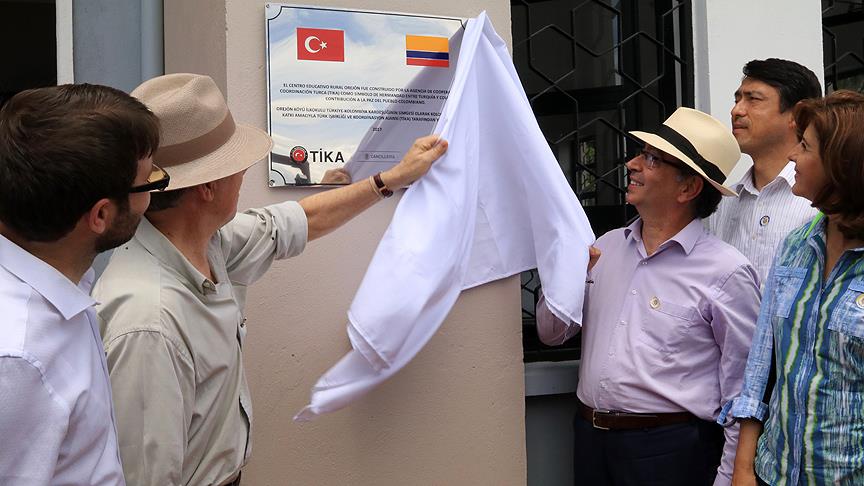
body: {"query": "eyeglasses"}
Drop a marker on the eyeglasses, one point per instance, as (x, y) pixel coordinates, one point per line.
(653, 160)
(157, 181)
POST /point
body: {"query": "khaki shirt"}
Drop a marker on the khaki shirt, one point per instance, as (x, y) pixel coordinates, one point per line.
(174, 343)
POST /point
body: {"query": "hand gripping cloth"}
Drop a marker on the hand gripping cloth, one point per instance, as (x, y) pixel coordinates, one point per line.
(494, 205)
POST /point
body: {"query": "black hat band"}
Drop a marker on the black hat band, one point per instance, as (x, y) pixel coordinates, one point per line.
(681, 143)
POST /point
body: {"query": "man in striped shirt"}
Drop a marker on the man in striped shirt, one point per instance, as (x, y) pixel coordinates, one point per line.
(765, 210)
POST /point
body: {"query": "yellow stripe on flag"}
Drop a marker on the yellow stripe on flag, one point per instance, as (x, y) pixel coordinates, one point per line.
(426, 43)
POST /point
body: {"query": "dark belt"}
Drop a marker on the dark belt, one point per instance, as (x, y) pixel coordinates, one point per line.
(615, 420)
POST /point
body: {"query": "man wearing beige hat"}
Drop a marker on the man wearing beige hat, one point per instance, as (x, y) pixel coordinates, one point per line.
(668, 318)
(172, 311)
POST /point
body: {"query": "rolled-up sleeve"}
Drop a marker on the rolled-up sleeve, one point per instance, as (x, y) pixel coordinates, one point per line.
(256, 237)
(749, 403)
(550, 329)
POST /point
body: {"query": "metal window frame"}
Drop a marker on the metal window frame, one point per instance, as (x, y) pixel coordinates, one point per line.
(672, 22)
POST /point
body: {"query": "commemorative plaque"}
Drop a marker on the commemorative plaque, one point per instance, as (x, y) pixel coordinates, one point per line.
(349, 91)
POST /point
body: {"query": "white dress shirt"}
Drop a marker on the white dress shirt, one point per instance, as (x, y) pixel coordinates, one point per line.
(56, 421)
(494, 205)
(756, 222)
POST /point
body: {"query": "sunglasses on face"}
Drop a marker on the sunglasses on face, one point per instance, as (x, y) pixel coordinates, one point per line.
(157, 181)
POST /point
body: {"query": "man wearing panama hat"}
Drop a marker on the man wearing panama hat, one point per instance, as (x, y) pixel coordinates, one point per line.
(172, 300)
(669, 315)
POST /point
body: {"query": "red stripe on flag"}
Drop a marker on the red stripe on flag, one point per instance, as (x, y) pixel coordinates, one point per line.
(427, 62)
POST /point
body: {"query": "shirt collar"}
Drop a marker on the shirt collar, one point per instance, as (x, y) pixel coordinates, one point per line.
(746, 183)
(161, 247)
(816, 233)
(69, 299)
(686, 238)
(787, 174)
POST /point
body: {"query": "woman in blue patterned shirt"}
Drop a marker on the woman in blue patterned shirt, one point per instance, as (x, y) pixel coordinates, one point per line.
(809, 342)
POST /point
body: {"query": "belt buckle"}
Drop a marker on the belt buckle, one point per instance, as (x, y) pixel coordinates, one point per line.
(594, 414)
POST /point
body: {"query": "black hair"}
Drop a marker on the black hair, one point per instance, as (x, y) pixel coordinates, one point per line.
(794, 81)
(709, 197)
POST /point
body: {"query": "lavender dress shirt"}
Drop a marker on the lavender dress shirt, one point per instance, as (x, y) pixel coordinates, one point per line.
(667, 332)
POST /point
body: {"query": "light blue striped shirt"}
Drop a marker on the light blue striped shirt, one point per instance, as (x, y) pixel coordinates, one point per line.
(814, 433)
(756, 222)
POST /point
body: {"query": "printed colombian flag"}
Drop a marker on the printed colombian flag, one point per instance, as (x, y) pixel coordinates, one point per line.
(421, 50)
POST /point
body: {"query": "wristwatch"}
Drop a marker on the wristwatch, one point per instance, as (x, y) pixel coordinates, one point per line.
(382, 188)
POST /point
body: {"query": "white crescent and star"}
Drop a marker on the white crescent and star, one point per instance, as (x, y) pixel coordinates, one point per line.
(321, 44)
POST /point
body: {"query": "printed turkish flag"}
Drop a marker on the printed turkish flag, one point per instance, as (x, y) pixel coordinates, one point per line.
(320, 45)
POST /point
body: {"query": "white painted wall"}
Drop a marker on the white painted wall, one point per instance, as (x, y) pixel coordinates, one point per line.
(728, 33)
(65, 65)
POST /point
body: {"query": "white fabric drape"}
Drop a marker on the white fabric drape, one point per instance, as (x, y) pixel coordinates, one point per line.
(495, 205)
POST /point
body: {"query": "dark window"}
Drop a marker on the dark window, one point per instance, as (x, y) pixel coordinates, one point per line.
(843, 44)
(593, 70)
(28, 46)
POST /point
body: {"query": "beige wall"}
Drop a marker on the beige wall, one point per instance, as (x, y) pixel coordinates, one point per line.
(195, 38)
(455, 415)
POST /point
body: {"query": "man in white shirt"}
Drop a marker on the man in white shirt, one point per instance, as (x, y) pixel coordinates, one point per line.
(172, 301)
(75, 173)
(765, 210)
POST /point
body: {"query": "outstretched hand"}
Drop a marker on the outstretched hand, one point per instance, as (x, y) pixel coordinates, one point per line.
(416, 162)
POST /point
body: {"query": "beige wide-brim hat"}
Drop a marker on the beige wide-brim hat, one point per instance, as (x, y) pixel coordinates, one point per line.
(700, 141)
(198, 139)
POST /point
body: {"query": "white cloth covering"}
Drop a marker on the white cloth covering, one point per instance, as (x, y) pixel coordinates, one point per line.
(495, 205)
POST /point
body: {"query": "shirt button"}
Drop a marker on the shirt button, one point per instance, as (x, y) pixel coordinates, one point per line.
(644, 263)
(633, 291)
(624, 323)
(765, 220)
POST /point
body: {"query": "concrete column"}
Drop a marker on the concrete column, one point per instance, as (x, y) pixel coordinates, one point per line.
(455, 415)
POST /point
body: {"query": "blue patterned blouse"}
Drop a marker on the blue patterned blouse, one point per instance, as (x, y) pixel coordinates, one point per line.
(814, 433)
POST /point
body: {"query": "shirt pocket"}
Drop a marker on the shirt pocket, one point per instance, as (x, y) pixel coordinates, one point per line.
(845, 348)
(848, 316)
(787, 284)
(665, 324)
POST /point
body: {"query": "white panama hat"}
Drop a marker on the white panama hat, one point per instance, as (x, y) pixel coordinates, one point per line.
(700, 141)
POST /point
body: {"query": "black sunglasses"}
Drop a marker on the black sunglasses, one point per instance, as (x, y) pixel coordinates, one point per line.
(157, 181)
